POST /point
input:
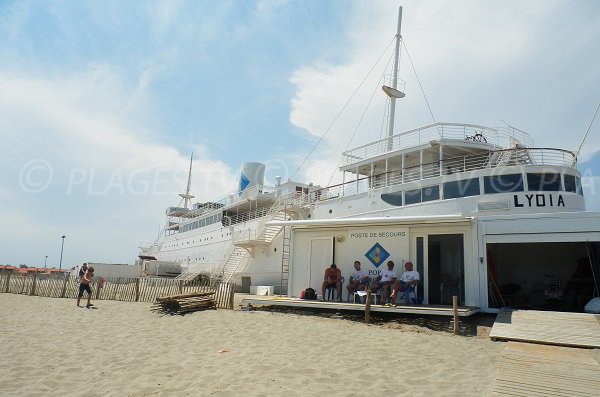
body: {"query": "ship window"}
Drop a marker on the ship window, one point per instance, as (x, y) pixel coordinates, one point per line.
(570, 184)
(412, 196)
(503, 183)
(392, 198)
(430, 193)
(573, 184)
(464, 188)
(549, 182)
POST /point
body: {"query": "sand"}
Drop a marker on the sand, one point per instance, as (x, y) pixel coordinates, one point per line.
(52, 348)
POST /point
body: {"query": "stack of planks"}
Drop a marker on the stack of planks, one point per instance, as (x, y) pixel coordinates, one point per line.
(180, 304)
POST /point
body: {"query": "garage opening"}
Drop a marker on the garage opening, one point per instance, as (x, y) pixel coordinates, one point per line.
(543, 276)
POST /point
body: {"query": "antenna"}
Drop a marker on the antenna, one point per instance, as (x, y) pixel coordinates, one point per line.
(187, 196)
(586, 133)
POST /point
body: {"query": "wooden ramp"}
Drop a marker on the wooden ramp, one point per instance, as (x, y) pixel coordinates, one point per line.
(538, 370)
(555, 328)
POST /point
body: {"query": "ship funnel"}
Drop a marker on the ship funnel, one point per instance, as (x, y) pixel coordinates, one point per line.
(252, 174)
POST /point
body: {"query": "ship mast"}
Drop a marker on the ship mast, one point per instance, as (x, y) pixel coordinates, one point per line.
(393, 91)
(187, 196)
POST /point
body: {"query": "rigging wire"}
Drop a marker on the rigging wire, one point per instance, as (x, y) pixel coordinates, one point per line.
(343, 108)
(587, 132)
(419, 81)
(356, 129)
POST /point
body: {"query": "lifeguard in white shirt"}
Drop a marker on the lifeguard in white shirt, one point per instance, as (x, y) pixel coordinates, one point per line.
(407, 281)
(385, 281)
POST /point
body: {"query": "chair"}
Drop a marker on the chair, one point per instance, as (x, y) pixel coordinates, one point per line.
(410, 295)
(354, 293)
(374, 297)
(331, 291)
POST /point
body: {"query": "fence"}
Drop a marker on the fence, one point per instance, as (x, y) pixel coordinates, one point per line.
(117, 288)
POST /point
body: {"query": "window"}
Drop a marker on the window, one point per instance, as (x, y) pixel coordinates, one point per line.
(464, 188)
(573, 184)
(503, 183)
(549, 182)
(430, 193)
(412, 196)
(570, 185)
(393, 198)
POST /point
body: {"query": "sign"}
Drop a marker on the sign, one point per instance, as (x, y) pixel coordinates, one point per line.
(378, 245)
(538, 200)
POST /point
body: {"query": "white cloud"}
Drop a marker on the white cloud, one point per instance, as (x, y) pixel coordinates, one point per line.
(479, 62)
(108, 178)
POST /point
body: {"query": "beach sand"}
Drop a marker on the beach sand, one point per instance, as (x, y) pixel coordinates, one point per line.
(53, 348)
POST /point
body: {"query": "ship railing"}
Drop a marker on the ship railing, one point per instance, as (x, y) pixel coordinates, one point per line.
(256, 232)
(501, 137)
(495, 160)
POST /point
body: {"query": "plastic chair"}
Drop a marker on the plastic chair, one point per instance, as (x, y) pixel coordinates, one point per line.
(353, 294)
(410, 295)
(331, 291)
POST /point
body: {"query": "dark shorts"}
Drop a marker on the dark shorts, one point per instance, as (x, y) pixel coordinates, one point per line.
(330, 285)
(380, 284)
(84, 287)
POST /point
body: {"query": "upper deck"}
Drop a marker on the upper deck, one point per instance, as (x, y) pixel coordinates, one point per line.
(451, 134)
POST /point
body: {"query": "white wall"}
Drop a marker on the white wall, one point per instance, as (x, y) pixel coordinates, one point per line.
(350, 244)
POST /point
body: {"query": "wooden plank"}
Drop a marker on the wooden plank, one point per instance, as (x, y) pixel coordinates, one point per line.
(558, 328)
(424, 310)
(542, 370)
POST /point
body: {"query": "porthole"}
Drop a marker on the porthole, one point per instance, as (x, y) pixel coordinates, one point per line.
(330, 211)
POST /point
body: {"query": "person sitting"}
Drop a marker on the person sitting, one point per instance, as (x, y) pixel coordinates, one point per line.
(407, 282)
(333, 278)
(385, 281)
(358, 280)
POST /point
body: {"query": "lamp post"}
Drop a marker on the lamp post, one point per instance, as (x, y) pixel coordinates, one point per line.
(61, 252)
(45, 260)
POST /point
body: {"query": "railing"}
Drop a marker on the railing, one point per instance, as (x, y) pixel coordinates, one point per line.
(501, 137)
(497, 159)
(113, 288)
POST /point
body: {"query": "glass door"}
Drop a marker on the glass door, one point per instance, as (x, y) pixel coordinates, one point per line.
(440, 260)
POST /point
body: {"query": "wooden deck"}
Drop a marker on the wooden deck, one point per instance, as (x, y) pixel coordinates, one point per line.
(424, 310)
(556, 328)
(539, 370)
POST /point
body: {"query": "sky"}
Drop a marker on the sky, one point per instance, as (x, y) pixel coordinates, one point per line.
(103, 102)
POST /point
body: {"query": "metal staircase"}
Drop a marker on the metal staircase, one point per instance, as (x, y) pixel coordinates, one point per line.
(246, 240)
(238, 256)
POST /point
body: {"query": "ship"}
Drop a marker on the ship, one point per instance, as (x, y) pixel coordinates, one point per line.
(484, 214)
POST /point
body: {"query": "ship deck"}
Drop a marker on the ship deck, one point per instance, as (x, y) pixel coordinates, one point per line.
(423, 310)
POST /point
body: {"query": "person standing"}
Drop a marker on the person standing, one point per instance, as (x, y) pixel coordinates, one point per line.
(82, 270)
(84, 285)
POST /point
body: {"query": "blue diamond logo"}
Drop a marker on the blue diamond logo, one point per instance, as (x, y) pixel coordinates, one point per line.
(377, 254)
(244, 181)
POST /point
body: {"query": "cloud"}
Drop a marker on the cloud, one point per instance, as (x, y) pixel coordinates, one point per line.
(533, 64)
(105, 175)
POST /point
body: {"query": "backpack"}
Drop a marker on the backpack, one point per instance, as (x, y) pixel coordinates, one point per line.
(309, 293)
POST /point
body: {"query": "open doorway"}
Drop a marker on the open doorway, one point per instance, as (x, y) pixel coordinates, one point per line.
(543, 276)
(440, 258)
